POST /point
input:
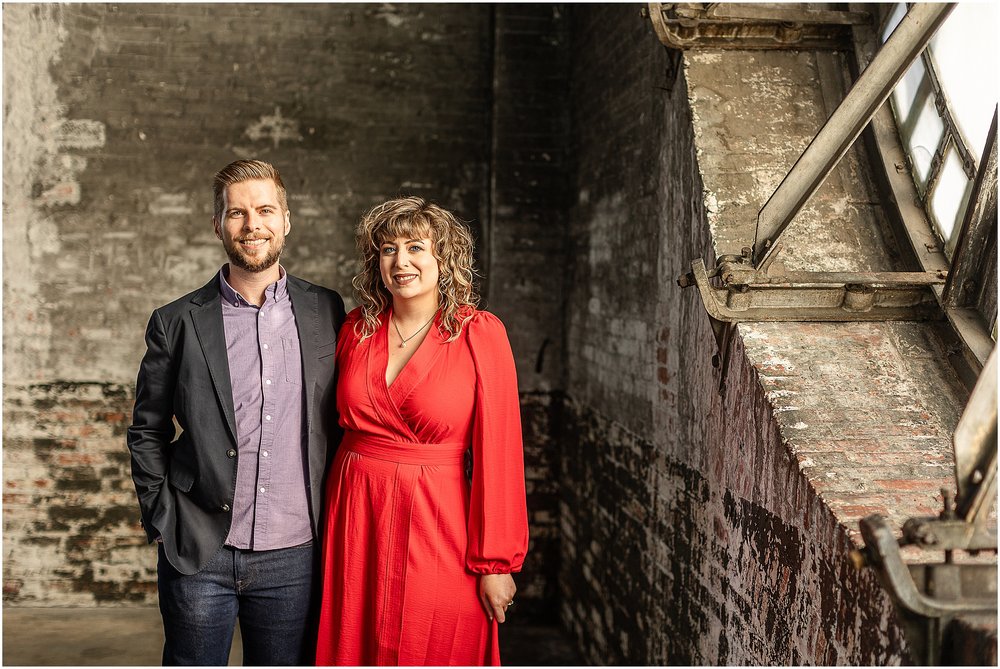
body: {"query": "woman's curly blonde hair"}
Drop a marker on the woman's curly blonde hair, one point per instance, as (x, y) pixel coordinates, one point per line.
(452, 246)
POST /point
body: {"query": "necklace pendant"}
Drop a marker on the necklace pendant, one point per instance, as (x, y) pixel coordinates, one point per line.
(402, 344)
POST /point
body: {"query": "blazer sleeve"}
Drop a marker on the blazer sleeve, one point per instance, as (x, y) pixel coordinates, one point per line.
(498, 516)
(152, 427)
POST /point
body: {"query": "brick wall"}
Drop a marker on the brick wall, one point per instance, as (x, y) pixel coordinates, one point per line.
(702, 528)
(530, 187)
(525, 261)
(670, 524)
(639, 385)
(70, 518)
(119, 115)
(128, 110)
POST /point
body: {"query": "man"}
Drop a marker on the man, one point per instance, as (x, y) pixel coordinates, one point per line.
(244, 365)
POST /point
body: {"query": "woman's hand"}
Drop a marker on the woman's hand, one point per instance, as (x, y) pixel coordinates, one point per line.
(496, 592)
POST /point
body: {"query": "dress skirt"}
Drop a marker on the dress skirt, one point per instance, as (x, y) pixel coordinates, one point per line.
(396, 589)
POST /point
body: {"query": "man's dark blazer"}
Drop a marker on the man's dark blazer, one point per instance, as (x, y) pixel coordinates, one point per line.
(186, 485)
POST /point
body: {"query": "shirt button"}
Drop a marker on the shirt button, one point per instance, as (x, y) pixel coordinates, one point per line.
(231, 453)
(264, 453)
(267, 381)
(267, 418)
(225, 507)
(263, 489)
(265, 346)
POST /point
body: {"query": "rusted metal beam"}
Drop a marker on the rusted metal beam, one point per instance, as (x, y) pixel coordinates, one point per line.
(937, 534)
(975, 444)
(746, 26)
(742, 11)
(823, 296)
(843, 127)
(883, 553)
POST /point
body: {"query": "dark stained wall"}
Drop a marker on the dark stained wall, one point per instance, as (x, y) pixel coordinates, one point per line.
(640, 393)
(701, 527)
(526, 259)
(354, 103)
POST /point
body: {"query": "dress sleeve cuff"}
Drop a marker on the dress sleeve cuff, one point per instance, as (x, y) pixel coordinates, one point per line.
(483, 568)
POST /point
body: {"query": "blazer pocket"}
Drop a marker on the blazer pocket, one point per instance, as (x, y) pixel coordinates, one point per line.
(180, 477)
(326, 350)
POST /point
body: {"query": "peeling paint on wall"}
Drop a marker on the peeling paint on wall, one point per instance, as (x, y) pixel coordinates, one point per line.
(274, 127)
(33, 35)
(170, 204)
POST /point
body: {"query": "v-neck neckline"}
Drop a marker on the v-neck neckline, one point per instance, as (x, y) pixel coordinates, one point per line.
(385, 347)
(393, 397)
(403, 371)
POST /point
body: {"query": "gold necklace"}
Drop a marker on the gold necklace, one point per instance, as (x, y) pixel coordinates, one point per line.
(402, 339)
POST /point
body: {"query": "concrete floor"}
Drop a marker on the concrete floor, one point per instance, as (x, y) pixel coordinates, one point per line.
(133, 636)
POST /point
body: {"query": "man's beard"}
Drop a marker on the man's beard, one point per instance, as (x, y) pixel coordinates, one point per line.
(237, 258)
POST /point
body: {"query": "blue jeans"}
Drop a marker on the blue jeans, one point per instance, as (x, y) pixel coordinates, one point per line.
(269, 591)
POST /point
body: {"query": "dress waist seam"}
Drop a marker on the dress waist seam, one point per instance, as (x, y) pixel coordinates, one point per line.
(414, 453)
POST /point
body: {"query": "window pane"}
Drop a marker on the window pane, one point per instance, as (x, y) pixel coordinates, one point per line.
(913, 89)
(964, 51)
(920, 127)
(898, 12)
(923, 141)
(950, 197)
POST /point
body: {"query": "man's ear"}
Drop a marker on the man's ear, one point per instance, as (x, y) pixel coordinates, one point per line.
(288, 222)
(218, 229)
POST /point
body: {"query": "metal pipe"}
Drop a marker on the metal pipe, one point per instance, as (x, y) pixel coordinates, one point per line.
(975, 443)
(871, 89)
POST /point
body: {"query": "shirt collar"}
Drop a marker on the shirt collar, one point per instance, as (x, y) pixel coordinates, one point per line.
(277, 291)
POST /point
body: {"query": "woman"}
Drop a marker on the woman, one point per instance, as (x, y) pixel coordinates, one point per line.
(417, 559)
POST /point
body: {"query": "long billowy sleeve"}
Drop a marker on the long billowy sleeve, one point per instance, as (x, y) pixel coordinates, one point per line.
(498, 517)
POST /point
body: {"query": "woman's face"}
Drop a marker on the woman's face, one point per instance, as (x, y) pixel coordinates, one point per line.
(409, 269)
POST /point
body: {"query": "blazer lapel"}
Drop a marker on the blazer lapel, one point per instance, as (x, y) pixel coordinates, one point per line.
(305, 306)
(207, 318)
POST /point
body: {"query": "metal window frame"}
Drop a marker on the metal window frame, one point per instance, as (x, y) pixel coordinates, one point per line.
(951, 136)
(868, 94)
(976, 233)
(740, 288)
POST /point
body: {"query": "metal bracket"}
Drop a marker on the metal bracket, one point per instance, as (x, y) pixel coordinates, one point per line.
(975, 444)
(749, 294)
(928, 595)
(718, 25)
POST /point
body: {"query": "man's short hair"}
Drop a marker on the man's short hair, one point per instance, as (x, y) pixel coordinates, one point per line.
(239, 171)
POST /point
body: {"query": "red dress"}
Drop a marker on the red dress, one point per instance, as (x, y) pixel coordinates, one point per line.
(405, 533)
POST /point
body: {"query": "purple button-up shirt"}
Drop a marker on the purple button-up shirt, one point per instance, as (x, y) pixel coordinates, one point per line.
(271, 507)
